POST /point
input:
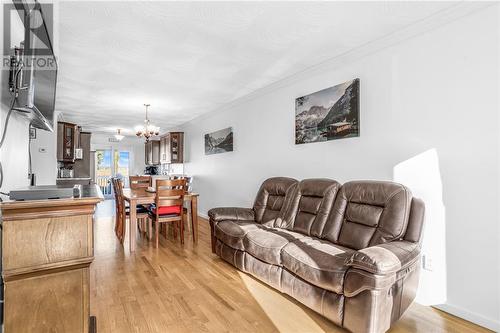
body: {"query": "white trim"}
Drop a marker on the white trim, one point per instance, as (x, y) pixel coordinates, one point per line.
(205, 216)
(470, 316)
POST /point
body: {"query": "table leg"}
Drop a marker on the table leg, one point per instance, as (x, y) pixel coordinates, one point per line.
(123, 222)
(194, 217)
(132, 225)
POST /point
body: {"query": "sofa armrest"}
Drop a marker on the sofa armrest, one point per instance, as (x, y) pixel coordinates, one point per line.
(231, 213)
(385, 258)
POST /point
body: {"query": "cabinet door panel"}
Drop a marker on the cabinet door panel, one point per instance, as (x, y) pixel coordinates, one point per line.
(53, 303)
(163, 150)
(155, 147)
(64, 238)
(168, 157)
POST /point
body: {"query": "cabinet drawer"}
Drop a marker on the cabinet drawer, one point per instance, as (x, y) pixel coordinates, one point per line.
(36, 242)
(57, 302)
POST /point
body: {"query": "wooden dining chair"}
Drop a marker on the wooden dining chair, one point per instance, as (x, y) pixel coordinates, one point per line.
(137, 182)
(187, 212)
(121, 219)
(168, 207)
(141, 182)
(118, 210)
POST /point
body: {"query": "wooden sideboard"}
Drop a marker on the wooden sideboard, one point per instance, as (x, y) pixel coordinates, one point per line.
(47, 248)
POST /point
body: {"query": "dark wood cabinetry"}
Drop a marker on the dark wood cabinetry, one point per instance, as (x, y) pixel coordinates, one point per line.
(82, 165)
(172, 148)
(67, 136)
(169, 149)
(152, 152)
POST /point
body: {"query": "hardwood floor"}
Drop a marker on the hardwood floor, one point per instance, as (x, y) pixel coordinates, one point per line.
(188, 289)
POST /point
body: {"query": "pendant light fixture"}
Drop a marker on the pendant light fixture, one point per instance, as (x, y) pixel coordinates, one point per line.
(147, 130)
(118, 135)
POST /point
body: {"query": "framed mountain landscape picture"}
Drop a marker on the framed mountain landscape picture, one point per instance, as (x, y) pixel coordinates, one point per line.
(219, 142)
(328, 114)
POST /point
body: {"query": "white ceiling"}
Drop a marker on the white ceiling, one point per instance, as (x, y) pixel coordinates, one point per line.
(186, 59)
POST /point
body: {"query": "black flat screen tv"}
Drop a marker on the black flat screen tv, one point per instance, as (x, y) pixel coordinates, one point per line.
(38, 80)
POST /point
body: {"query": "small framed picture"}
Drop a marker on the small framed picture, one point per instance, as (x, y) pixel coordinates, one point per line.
(219, 142)
(32, 133)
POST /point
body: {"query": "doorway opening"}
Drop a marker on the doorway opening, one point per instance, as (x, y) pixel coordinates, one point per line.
(111, 163)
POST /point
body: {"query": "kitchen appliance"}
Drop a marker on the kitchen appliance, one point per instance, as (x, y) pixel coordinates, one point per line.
(151, 170)
(45, 192)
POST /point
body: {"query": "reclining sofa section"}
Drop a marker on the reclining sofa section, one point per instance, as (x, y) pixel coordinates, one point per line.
(350, 252)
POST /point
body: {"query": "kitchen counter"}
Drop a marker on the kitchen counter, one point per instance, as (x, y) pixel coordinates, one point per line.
(90, 194)
(73, 178)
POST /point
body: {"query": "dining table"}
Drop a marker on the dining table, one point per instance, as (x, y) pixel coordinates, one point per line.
(141, 196)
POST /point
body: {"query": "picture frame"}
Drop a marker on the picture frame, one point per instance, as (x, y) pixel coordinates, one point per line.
(328, 114)
(220, 141)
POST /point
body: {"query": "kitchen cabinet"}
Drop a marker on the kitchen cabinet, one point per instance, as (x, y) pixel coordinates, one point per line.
(67, 136)
(172, 148)
(152, 152)
(82, 165)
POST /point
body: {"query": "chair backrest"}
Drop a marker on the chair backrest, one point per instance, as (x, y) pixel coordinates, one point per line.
(368, 213)
(270, 200)
(137, 182)
(170, 192)
(118, 190)
(415, 221)
(189, 181)
(309, 206)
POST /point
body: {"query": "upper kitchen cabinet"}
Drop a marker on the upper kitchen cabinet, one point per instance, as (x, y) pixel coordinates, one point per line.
(172, 148)
(67, 141)
(152, 152)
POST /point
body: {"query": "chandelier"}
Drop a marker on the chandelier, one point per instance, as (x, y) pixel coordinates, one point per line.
(147, 130)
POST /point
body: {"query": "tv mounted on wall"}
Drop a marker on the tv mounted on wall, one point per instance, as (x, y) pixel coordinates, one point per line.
(36, 87)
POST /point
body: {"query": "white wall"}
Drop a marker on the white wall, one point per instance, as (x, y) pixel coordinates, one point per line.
(436, 90)
(132, 144)
(14, 152)
(44, 156)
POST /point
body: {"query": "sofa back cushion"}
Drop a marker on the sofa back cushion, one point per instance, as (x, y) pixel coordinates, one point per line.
(415, 221)
(309, 206)
(271, 198)
(368, 213)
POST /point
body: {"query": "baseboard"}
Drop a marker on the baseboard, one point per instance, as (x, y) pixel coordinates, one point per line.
(205, 216)
(470, 316)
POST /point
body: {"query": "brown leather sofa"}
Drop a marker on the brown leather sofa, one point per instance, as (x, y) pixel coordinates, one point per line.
(350, 252)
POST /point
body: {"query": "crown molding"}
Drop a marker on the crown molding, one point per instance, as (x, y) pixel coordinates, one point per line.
(417, 28)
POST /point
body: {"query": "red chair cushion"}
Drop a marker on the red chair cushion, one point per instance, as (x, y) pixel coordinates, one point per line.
(164, 210)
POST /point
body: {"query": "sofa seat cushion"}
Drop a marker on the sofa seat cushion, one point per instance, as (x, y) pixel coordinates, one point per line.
(266, 243)
(318, 262)
(232, 233)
